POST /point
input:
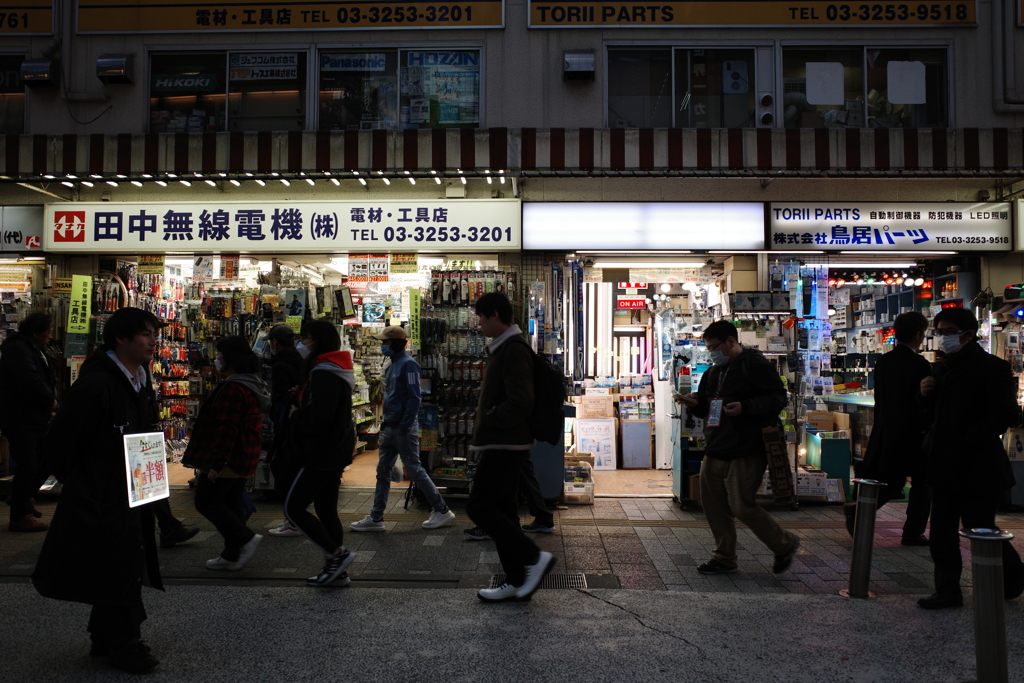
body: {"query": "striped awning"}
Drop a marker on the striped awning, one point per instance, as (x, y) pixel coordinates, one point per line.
(528, 152)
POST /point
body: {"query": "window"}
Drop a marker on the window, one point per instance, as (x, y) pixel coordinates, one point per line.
(858, 87)
(399, 89)
(220, 91)
(712, 88)
(12, 95)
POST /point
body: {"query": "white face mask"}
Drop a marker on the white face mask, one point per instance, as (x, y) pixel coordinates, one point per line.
(718, 357)
(302, 349)
(219, 365)
(950, 343)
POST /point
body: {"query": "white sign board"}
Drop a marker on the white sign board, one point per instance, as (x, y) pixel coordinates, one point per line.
(145, 462)
(643, 225)
(21, 228)
(882, 226)
(283, 227)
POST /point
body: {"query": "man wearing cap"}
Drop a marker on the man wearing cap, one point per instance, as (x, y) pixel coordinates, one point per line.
(400, 435)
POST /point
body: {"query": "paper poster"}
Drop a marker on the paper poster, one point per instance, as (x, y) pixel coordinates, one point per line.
(598, 438)
(151, 264)
(359, 267)
(294, 322)
(295, 302)
(404, 264)
(76, 366)
(230, 267)
(202, 269)
(145, 462)
(377, 267)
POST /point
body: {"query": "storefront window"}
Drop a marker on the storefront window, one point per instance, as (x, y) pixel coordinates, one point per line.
(405, 89)
(864, 87)
(714, 88)
(12, 95)
(187, 93)
(640, 88)
(267, 91)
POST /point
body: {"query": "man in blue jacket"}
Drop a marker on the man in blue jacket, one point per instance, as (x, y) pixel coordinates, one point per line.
(400, 435)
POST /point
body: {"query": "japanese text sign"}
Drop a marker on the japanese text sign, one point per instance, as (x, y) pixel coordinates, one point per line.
(414, 316)
(145, 464)
(21, 228)
(79, 308)
(215, 226)
(195, 16)
(877, 226)
(26, 17)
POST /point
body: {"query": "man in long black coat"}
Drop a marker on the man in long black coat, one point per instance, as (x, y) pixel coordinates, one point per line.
(894, 449)
(968, 403)
(99, 550)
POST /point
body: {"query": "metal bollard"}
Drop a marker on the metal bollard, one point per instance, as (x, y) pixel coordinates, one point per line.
(989, 615)
(863, 539)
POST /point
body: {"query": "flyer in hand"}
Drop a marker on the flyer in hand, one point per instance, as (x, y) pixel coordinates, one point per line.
(145, 462)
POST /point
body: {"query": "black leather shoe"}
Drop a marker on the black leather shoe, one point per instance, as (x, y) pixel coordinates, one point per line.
(916, 540)
(851, 514)
(782, 562)
(180, 536)
(133, 657)
(941, 601)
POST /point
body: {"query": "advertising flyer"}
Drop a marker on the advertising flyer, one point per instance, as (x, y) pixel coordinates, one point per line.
(145, 464)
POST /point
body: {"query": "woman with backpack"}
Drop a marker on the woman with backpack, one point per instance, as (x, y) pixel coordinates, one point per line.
(324, 437)
(225, 447)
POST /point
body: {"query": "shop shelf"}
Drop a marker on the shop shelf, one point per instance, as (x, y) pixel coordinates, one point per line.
(360, 403)
(365, 419)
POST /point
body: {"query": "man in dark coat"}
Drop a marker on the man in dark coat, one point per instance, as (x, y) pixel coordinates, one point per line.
(28, 397)
(113, 396)
(285, 364)
(894, 450)
(968, 403)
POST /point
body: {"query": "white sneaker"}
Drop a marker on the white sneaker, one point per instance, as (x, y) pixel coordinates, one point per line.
(535, 573)
(246, 552)
(219, 563)
(504, 593)
(285, 529)
(367, 523)
(439, 519)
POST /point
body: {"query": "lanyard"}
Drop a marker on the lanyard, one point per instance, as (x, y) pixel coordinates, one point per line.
(721, 380)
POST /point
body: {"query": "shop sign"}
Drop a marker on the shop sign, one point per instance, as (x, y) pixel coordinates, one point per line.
(202, 269)
(21, 228)
(75, 363)
(61, 286)
(264, 66)
(459, 225)
(151, 264)
(880, 226)
(204, 16)
(81, 300)
(631, 302)
(754, 13)
(191, 84)
(415, 311)
(145, 462)
(633, 285)
(26, 18)
(404, 264)
(643, 226)
(230, 267)
(354, 62)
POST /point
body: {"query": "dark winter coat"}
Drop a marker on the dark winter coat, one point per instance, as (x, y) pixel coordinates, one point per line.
(228, 427)
(28, 385)
(751, 379)
(285, 374)
(98, 550)
(322, 427)
(506, 398)
(894, 448)
(973, 404)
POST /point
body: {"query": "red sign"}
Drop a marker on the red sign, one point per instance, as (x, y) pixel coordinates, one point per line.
(633, 285)
(33, 241)
(632, 303)
(69, 226)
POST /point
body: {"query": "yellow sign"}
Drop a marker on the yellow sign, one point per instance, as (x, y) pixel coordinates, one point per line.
(61, 286)
(151, 264)
(26, 17)
(414, 316)
(594, 14)
(81, 301)
(404, 263)
(294, 322)
(160, 16)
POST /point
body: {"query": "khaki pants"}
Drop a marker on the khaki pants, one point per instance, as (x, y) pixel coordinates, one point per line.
(727, 490)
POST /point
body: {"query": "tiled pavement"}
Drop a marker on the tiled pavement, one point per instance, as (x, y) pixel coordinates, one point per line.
(617, 542)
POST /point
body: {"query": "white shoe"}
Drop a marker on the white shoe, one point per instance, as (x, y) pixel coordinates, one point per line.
(219, 563)
(246, 552)
(535, 573)
(439, 519)
(285, 529)
(367, 523)
(506, 592)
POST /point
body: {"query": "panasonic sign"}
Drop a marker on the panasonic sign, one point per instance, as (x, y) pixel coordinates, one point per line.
(353, 62)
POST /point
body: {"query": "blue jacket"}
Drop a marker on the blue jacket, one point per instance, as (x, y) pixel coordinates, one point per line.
(402, 391)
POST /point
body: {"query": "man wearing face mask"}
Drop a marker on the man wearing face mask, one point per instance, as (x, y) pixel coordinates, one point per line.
(740, 396)
(399, 435)
(967, 404)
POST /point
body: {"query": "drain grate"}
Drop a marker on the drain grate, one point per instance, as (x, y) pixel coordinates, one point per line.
(567, 580)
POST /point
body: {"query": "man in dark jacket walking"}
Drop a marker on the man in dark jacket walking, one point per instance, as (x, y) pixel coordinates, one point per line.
(113, 396)
(740, 396)
(502, 439)
(28, 397)
(968, 403)
(894, 449)
(285, 376)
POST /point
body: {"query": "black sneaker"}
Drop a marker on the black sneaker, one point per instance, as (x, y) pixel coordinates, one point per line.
(333, 569)
(715, 567)
(920, 540)
(477, 534)
(133, 657)
(535, 527)
(783, 561)
(183, 534)
(941, 601)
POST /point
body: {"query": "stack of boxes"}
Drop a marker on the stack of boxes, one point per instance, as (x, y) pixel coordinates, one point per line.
(741, 273)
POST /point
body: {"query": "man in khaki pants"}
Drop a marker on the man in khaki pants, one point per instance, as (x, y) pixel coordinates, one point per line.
(740, 396)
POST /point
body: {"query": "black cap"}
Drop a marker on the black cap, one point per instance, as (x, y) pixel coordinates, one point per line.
(281, 333)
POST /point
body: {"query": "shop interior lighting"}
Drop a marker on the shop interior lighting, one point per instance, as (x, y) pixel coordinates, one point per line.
(645, 264)
(463, 179)
(94, 175)
(261, 183)
(412, 181)
(386, 181)
(211, 183)
(87, 183)
(146, 175)
(69, 184)
(666, 287)
(223, 175)
(335, 181)
(111, 183)
(880, 264)
(273, 174)
(136, 183)
(310, 181)
(48, 176)
(630, 251)
(198, 174)
(171, 175)
(235, 183)
(759, 251)
(161, 183)
(284, 181)
(436, 179)
(122, 177)
(185, 183)
(72, 176)
(897, 253)
(918, 281)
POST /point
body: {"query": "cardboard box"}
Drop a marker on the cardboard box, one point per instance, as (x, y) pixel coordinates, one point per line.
(694, 483)
(574, 458)
(593, 407)
(741, 280)
(820, 420)
(743, 262)
(841, 421)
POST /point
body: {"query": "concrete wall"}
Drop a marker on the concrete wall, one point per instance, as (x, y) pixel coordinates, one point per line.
(522, 80)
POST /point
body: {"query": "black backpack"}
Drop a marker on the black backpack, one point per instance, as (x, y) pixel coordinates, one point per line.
(547, 421)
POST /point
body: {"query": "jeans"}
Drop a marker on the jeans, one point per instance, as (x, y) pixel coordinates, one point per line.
(222, 503)
(949, 509)
(728, 490)
(493, 506)
(319, 487)
(29, 470)
(398, 441)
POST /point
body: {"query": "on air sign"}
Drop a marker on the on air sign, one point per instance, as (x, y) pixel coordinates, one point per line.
(631, 302)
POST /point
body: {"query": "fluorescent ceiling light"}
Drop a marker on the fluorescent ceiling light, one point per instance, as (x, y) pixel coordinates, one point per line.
(759, 251)
(646, 264)
(898, 253)
(628, 251)
(866, 264)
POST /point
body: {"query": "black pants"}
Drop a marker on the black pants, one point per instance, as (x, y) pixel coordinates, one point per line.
(493, 506)
(167, 522)
(919, 506)
(222, 503)
(319, 487)
(530, 488)
(114, 625)
(949, 509)
(29, 470)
